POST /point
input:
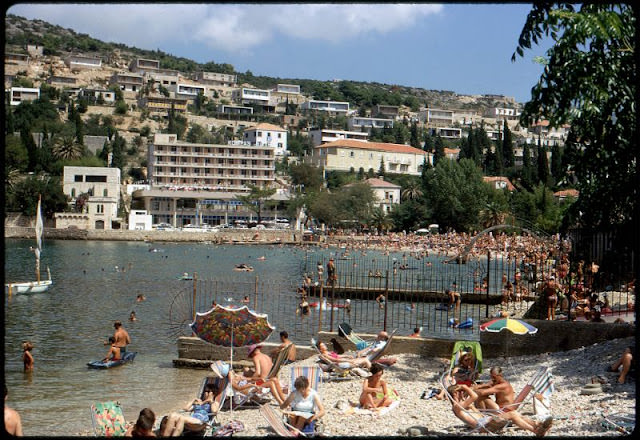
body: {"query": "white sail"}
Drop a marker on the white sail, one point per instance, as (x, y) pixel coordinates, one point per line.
(39, 227)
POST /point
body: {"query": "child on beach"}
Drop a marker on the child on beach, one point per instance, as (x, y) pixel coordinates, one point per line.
(27, 357)
(374, 390)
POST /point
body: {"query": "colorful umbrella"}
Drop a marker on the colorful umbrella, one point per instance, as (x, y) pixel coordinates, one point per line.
(232, 327)
(513, 325)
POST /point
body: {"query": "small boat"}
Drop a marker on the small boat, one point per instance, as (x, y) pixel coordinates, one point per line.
(186, 277)
(243, 268)
(129, 356)
(39, 285)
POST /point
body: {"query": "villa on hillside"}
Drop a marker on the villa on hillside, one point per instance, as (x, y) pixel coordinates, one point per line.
(347, 154)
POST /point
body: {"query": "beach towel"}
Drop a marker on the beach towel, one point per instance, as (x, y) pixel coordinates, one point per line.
(107, 419)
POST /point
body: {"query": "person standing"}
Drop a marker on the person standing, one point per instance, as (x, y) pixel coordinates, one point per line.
(27, 357)
(12, 421)
(120, 336)
(320, 269)
(332, 277)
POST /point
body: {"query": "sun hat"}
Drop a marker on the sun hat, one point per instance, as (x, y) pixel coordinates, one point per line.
(252, 348)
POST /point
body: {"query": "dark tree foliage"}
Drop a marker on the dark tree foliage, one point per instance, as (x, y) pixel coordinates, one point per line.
(589, 81)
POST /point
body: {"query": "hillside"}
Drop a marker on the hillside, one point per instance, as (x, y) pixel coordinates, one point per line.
(58, 41)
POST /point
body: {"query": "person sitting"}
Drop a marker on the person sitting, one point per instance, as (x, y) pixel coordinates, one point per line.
(344, 361)
(627, 363)
(463, 400)
(114, 352)
(464, 373)
(284, 338)
(381, 341)
(306, 403)
(262, 366)
(375, 393)
(144, 425)
(498, 387)
(200, 411)
(416, 333)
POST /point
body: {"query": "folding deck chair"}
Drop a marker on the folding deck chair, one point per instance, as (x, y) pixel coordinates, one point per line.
(254, 398)
(313, 373)
(461, 347)
(336, 370)
(107, 419)
(277, 423)
(375, 355)
(346, 331)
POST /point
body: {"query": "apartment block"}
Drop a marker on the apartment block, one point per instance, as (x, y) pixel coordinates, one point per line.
(362, 122)
(344, 154)
(267, 135)
(141, 65)
(325, 135)
(80, 62)
(128, 82)
(232, 167)
(433, 117)
(216, 79)
(385, 111)
(161, 105)
(333, 107)
(22, 94)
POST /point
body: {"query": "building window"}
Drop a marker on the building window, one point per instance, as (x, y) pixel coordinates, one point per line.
(105, 192)
(73, 192)
(77, 178)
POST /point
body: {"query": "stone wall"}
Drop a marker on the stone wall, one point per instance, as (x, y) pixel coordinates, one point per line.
(244, 236)
(551, 337)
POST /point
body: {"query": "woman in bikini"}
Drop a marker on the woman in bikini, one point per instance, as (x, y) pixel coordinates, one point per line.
(374, 390)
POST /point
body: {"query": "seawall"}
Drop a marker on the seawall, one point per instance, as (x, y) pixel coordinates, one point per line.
(552, 336)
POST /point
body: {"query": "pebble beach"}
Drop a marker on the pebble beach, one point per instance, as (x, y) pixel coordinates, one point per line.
(575, 414)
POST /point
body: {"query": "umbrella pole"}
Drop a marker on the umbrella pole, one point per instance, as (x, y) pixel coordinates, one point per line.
(230, 370)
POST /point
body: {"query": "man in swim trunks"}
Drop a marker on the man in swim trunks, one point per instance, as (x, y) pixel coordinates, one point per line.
(498, 387)
(462, 402)
(121, 337)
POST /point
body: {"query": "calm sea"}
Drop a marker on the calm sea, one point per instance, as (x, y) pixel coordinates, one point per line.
(69, 323)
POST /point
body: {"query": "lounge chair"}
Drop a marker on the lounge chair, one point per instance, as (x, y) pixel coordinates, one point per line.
(461, 347)
(107, 419)
(541, 382)
(346, 331)
(376, 355)
(336, 370)
(220, 383)
(277, 423)
(313, 373)
(262, 396)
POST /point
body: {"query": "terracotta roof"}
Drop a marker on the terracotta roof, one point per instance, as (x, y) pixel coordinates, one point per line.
(567, 193)
(266, 126)
(379, 146)
(375, 182)
(490, 179)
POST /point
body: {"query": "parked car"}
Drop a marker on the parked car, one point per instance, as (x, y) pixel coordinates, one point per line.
(163, 227)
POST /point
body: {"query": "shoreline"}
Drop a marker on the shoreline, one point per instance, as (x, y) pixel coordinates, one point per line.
(575, 414)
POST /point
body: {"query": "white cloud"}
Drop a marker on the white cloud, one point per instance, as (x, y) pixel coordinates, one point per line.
(230, 27)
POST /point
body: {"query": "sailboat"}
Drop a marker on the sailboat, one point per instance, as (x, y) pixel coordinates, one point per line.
(37, 286)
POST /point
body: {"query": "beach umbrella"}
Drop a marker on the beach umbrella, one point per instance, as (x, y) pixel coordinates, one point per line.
(232, 327)
(516, 326)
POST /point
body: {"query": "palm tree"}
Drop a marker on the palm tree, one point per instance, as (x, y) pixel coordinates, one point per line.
(11, 178)
(493, 214)
(66, 147)
(380, 220)
(412, 192)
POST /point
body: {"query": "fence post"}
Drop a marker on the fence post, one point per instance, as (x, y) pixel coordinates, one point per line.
(255, 295)
(386, 300)
(195, 291)
(333, 301)
(320, 308)
(486, 313)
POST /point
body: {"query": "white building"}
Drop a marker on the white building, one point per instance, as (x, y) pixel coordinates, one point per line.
(267, 135)
(103, 187)
(140, 220)
(358, 122)
(22, 94)
(387, 193)
(337, 107)
(324, 135)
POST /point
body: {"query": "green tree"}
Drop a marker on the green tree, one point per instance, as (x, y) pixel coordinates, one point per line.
(509, 159)
(589, 82)
(438, 150)
(543, 164)
(557, 172)
(256, 199)
(24, 196)
(16, 155)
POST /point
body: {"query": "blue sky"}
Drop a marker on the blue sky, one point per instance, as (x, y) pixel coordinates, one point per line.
(464, 48)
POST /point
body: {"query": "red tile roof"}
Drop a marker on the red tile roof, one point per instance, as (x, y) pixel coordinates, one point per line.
(567, 193)
(491, 179)
(378, 146)
(266, 126)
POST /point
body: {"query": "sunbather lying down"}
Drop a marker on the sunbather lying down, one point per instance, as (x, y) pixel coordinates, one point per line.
(343, 361)
(463, 398)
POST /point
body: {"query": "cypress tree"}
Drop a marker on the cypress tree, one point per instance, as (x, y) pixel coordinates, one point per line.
(556, 164)
(507, 147)
(543, 163)
(439, 150)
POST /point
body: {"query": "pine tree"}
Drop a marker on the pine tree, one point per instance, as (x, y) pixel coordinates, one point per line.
(543, 164)
(415, 138)
(438, 150)
(509, 159)
(381, 170)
